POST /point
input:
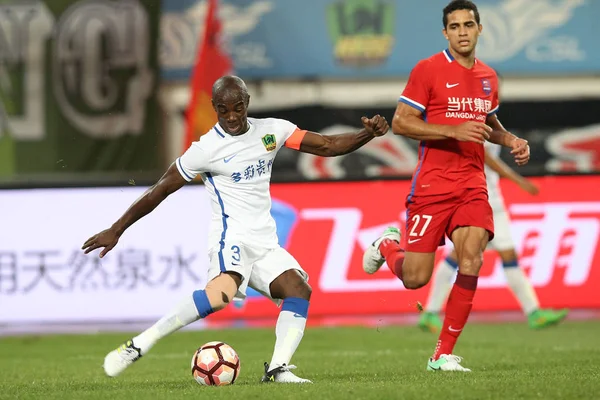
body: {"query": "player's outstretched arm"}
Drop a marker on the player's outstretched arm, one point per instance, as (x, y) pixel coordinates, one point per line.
(500, 167)
(499, 135)
(170, 182)
(408, 121)
(337, 145)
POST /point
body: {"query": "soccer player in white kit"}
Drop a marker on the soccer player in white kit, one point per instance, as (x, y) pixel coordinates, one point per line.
(235, 159)
(503, 244)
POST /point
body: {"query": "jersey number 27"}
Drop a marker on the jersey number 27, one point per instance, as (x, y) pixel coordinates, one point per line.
(416, 222)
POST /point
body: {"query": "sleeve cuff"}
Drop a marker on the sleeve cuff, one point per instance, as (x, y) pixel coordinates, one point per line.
(186, 175)
(412, 103)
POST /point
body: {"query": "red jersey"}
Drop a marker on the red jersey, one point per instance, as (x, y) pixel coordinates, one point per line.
(448, 93)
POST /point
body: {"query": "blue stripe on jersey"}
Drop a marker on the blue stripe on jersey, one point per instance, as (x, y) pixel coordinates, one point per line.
(411, 103)
(494, 111)
(183, 170)
(219, 132)
(448, 54)
(422, 146)
(225, 216)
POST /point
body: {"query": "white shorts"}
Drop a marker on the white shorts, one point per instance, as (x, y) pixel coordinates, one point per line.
(502, 236)
(257, 266)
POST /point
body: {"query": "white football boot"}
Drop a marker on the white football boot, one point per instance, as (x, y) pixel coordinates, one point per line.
(446, 362)
(372, 258)
(117, 360)
(282, 374)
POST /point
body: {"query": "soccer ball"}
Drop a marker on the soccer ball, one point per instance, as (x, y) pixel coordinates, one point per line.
(215, 364)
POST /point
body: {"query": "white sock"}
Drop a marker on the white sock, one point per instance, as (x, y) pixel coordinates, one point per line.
(186, 312)
(288, 331)
(522, 288)
(441, 285)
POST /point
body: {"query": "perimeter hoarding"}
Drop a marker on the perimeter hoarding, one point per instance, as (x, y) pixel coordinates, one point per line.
(44, 277)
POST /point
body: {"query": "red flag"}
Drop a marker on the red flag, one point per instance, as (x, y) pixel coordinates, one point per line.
(212, 63)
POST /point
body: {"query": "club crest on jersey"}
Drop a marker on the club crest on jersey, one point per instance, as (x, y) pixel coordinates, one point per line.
(486, 86)
(269, 142)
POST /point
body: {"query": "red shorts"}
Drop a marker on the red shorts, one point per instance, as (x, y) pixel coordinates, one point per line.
(429, 218)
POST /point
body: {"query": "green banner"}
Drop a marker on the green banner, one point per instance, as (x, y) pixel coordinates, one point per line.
(78, 85)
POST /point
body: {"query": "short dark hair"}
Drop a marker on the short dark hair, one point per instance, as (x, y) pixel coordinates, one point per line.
(456, 5)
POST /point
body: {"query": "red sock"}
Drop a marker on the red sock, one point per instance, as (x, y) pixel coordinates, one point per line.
(458, 309)
(393, 254)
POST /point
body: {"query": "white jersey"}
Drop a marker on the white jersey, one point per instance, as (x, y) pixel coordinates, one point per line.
(491, 176)
(237, 174)
(502, 231)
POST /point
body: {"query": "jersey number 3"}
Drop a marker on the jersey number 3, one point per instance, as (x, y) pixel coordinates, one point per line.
(236, 256)
(416, 222)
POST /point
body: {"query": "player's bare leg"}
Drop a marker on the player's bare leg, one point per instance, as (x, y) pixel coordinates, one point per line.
(201, 303)
(295, 292)
(469, 243)
(441, 284)
(521, 287)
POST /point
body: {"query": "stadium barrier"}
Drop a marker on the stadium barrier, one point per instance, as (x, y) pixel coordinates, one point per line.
(44, 276)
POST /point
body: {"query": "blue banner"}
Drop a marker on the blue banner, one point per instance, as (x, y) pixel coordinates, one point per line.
(381, 38)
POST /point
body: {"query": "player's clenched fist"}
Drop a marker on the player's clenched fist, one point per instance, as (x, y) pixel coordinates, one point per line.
(377, 126)
(520, 150)
(471, 131)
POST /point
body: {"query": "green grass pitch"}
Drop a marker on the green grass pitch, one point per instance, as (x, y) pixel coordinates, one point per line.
(509, 361)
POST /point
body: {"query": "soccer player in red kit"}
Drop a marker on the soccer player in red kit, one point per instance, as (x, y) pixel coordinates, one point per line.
(449, 105)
